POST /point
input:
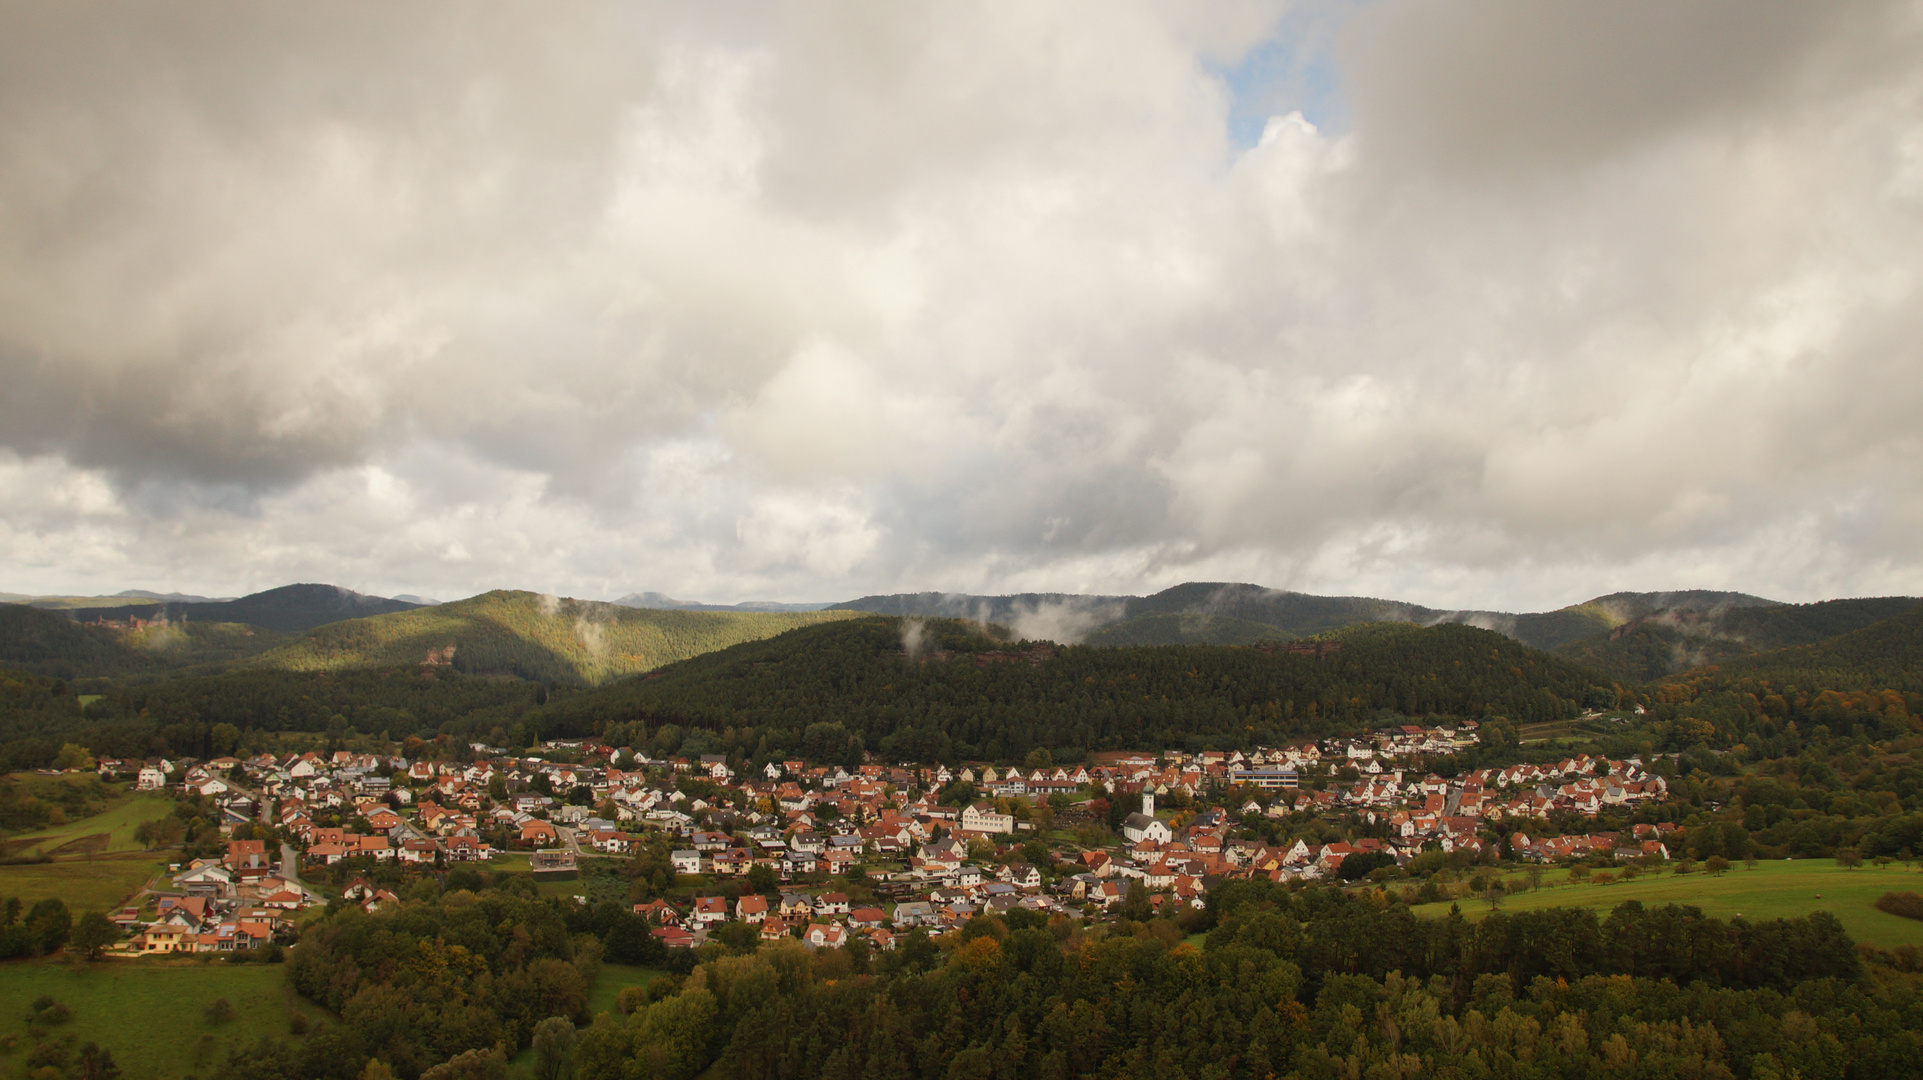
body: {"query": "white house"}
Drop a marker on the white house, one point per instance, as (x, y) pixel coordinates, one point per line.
(982, 817)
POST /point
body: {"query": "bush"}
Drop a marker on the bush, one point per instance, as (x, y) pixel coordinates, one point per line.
(297, 1023)
(220, 1012)
(1908, 905)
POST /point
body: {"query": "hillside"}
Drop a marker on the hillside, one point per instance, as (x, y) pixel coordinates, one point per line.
(827, 689)
(1662, 642)
(1181, 629)
(1095, 620)
(51, 643)
(289, 609)
(530, 636)
(1887, 653)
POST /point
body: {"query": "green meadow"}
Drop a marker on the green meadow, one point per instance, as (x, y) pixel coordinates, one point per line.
(151, 1014)
(108, 832)
(613, 979)
(97, 864)
(1773, 890)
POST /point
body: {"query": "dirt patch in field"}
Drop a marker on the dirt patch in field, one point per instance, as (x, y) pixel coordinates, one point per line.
(85, 845)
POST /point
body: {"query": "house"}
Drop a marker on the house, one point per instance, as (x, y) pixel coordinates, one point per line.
(674, 937)
(914, 913)
(751, 908)
(151, 779)
(686, 862)
(1022, 876)
(983, 817)
(867, 918)
(825, 936)
(796, 905)
(159, 939)
(709, 910)
(538, 833)
(831, 903)
(248, 859)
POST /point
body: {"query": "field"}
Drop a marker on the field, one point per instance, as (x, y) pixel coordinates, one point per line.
(97, 884)
(1773, 890)
(149, 1013)
(613, 979)
(96, 864)
(109, 831)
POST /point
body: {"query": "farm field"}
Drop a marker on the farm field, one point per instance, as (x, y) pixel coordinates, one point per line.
(96, 864)
(1776, 889)
(97, 884)
(108, 832)
(150, 1013)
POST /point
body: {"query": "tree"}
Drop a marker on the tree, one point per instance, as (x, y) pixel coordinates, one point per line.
(761, 878)
(472, 1065)
(1849, 857)
(553, 1047)
(96, 1064)
(1716, 864)
(93, 933)
(73, 756)
(48, 925)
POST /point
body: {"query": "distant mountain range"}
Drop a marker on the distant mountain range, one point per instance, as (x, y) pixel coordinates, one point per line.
(658, 602)
(289, 609)
(1226, 613)
(1631, 637)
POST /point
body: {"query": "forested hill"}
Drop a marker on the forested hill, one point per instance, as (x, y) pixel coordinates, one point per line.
(1666, 641)
(289, 609)
(543, 638)
(1883, 655)
(51, 643)
(829, 690)
(1230, 613)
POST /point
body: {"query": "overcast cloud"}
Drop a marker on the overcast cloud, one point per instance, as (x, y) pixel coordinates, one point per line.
(806, 301)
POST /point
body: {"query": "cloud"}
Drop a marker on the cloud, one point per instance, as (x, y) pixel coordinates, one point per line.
(810, 302)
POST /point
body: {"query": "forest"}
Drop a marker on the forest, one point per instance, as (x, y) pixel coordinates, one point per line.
(1321, 982)
(959, 693)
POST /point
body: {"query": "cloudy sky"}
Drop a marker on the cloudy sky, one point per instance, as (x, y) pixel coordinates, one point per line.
(1470, 303)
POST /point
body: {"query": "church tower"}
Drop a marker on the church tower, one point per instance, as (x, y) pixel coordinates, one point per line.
(1148, 803)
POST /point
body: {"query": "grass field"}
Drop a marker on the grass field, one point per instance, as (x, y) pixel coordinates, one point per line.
(1773, 890)
(100, 883)
(613, 979)
(149, 1013)
(106, 832)
(96, 864)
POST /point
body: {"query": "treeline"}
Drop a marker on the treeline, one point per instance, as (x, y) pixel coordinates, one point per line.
(960, 693)
(207, 716)
(1311, 983)
(1288, 984)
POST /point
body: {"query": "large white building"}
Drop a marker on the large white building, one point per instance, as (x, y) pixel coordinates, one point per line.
(982, 817)
(1145, 825)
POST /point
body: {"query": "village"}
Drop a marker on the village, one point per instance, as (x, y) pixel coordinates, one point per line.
(826, 853)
